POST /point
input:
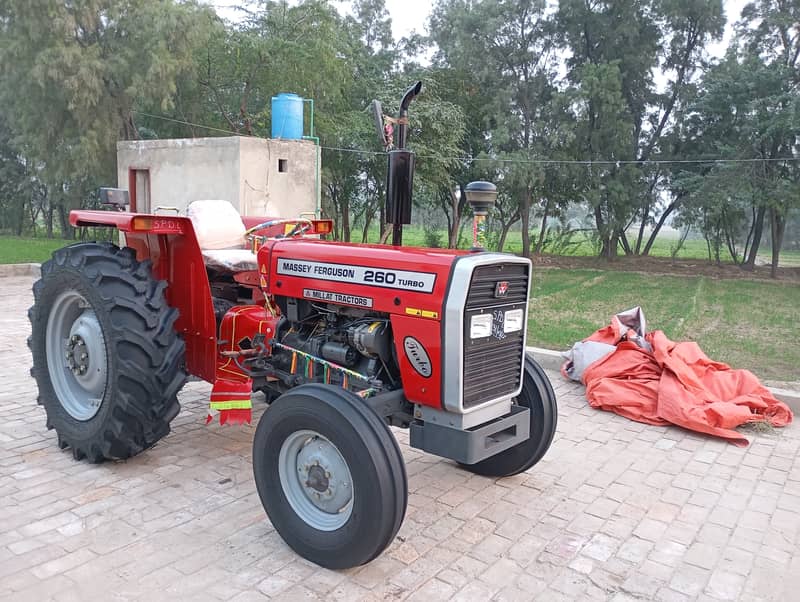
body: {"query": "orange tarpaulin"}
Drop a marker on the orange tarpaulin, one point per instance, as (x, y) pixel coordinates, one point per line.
(676, 383)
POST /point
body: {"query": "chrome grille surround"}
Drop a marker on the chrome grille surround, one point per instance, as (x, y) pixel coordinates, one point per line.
(463, 300)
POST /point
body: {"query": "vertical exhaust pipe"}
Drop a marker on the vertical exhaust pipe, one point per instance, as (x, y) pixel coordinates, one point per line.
(400, 173)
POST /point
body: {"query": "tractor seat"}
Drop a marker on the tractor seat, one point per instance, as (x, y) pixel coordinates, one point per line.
(220, 234)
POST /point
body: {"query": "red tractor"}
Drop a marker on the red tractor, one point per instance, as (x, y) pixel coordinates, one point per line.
(344, 340)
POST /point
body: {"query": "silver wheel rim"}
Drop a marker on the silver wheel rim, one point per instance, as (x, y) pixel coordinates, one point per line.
(316, 480)
(76, 355)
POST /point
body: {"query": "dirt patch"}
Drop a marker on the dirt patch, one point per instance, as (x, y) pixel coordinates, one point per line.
(667, 267)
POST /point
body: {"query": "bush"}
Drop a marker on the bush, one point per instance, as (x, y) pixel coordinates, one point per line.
(432, 237)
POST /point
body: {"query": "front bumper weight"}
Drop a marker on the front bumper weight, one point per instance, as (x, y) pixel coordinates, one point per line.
(472, 445)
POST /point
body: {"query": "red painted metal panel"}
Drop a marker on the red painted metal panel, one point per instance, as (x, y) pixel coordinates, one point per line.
(427, 334)
(190, 293)
(132, 222)
(434, 263)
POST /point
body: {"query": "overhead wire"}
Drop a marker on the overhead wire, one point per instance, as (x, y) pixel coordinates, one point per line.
(504, 161)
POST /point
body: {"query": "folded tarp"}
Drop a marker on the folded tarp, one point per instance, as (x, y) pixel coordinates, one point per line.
(646, 377)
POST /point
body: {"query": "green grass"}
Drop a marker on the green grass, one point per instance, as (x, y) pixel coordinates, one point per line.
(28, 250)
(747, 324)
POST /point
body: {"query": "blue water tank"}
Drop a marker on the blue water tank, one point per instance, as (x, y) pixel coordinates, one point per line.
(287, 116)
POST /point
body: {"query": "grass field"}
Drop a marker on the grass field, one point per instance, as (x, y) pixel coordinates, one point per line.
(746, 324)
(28, 250)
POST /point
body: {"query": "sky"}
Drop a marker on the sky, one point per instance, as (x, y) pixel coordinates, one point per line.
(412, 15)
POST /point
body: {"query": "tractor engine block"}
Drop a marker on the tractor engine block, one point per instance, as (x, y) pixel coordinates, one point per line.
(351, 338)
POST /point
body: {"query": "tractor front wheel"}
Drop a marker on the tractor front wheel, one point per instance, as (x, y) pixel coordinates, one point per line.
(330, 475)
(106, 357)
(538, 396)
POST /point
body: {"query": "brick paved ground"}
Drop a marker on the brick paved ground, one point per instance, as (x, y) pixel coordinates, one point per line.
(617, 510)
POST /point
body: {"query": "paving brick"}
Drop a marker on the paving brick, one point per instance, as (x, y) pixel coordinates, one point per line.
(62, 564)
(725, 585)
(433, 590)
(634, 550)
(601, 547)
(650, 529)
(702, 555)
(689, 580)
(670, 595)
(642, 585)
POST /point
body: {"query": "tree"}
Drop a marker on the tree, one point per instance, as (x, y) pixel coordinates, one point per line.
(748, 108)
(770, 30)
(353, 180)
(71, 74)
(616, 47)
(275, 47)
(508, 92)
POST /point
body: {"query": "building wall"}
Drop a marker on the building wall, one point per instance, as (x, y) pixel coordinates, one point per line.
(184, 170)
(265, 189)
(245, 171)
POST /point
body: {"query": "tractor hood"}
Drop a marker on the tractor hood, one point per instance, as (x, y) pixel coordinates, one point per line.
(396, 280)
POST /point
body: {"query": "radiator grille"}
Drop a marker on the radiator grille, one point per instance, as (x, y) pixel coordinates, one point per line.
(493, 365)
(484, 281)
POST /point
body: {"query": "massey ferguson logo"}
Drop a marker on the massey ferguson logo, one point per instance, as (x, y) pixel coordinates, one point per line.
(501, 289)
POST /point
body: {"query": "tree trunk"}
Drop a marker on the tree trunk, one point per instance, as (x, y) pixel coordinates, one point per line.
(543, 229)
(758, 228)
(610, 244)
(458, 213)
(333, 193)
(48, 220)
(63, 222)
(460, 234)
(778, 223)
(600, 226)
(525, 214)
(667, 212)
(730, 242)
(369, 215)
(19, 219)
(501, 241)
(33, 213)
(453, 220)
(345, 220)
(640, 235)
(626, 246)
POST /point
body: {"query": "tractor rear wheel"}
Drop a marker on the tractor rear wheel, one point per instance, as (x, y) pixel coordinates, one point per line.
(106, 358)
(538, 396)
(330, 475)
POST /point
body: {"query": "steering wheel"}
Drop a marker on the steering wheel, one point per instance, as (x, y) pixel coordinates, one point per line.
(301, 225)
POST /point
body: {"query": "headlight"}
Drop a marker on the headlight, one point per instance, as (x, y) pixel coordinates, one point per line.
(513, 320)
(480, 326)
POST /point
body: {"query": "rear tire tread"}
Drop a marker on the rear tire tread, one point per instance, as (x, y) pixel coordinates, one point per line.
(134, 423)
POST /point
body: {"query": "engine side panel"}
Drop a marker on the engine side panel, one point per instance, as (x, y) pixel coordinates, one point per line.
(418, 346)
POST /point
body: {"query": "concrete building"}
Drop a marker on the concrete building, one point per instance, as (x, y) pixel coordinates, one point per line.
(270, 177)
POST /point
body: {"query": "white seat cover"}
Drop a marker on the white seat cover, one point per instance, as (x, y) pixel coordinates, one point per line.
(235, 260)
(220, 234)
